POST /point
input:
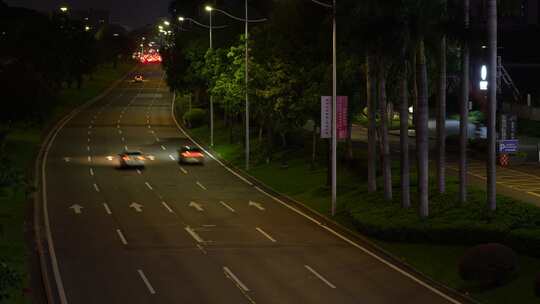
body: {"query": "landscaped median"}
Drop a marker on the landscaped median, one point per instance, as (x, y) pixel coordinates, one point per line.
(433, 246)
(19, 149)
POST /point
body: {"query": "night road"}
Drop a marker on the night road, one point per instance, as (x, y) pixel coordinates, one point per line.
(188, 234)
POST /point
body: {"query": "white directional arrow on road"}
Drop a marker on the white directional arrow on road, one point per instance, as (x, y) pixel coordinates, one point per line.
(256, 205)
(137, 207)
(76, 208)
(196, 206)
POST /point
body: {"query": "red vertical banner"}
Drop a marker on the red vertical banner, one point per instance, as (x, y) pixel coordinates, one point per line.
(342, 117)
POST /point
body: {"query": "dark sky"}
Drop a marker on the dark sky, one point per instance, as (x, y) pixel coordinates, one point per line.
(131, 13)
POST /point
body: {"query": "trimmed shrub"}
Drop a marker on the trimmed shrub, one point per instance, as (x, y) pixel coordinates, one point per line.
(490, 264)
(194, 118)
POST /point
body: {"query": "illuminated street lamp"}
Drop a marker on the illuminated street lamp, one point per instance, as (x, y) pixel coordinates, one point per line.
(167, 23)
(64, 9)
(87, 28)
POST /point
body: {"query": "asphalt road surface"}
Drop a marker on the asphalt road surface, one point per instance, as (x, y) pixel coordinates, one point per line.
(188, 234)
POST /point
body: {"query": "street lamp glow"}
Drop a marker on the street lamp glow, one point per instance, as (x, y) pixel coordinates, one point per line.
(87, 28)
(63, 9)
(167, 23)
(181, 19)
(160, 27)
(208, 8)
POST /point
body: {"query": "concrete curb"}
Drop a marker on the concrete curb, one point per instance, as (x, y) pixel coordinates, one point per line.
(325, 221)
(43, 238)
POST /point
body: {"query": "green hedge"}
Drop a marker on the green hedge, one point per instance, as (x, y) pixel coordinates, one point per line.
(195, 118)
(514, 223)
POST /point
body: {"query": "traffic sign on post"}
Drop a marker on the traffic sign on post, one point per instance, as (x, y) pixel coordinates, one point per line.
(508, 146)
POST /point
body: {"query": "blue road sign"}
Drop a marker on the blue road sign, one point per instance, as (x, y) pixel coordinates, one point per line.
(508, 146)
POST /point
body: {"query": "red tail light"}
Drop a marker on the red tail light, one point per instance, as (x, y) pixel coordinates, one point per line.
(192, 154)
(125, 157)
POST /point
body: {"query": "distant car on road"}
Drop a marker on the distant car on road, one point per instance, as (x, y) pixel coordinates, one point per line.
(138, 78)
(131, 159)
(190, 155)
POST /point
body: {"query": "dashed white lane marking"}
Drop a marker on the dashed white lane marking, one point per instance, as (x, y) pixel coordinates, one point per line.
(194, 234)
(118, 121)
(171, 157)
(119, 131)
(89, 159)
(89, 139)
(107, 209)
(118, 126)
(121, 236)
(227, 206)
(96, 187)
(152, 131)
(167, 207)
(201, 185)
(148, 185)
(139, 171)
(157, 139)
(123, 139)
(89, 132)
(163, 148)
(91, 171)
(201, 248)
(320, 277)
(183, 170)
(87, 148)
(67, 159)
(266, 234)
(149, 127)
(90, 127)
(126, 148)
(146, 282)
(233, 277)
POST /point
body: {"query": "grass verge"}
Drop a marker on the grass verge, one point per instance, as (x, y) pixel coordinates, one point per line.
(435, 259)
(21, 147)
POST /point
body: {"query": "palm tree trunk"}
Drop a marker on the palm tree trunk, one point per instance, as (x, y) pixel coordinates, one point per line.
(464, 111)
(492, 104)
(441, 121)
(404, 144)
(386, 163)
(422, 145)
(372, 140)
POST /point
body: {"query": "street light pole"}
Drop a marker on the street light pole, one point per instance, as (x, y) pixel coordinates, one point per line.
(247, 93)
(334, 110)
(211, 99)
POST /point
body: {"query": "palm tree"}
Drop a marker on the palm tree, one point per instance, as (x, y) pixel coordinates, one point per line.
(422, 144)
(372, 140)
(441, 119)
(464, 108)
(492, 104)
(386, 163)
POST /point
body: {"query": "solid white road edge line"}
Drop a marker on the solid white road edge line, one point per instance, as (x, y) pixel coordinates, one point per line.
(121, 236)
(167, 207)
(320, 277)
(237, 281)
(146, 282)
(194, 234)
(107, 208)
(227, 206)
(265, 234)
(347, 240)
